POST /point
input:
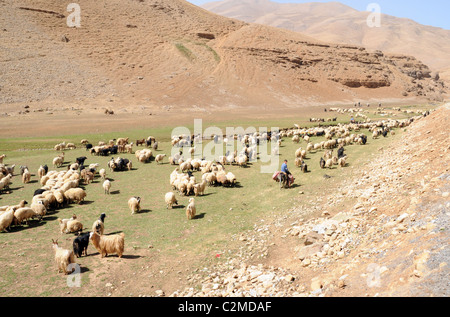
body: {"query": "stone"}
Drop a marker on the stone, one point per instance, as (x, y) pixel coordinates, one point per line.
(312, 237)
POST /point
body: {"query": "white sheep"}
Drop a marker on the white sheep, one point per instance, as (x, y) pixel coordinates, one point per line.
(24, 214)
(134, 203)
(170, 200)
(199, 189)
(5, 181)
(159, 158)
(102, 173)
(39, 208)
(191, 209)
(26, 176)
(107, 186)
(70, 225)
(6, 219)
(76, 195)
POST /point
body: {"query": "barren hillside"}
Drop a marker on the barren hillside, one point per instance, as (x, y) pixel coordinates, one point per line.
(170, 53)
(338, 23)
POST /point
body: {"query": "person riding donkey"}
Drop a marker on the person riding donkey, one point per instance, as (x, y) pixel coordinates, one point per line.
(285, 171)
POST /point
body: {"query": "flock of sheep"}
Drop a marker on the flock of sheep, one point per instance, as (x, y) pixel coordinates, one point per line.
(61, 187)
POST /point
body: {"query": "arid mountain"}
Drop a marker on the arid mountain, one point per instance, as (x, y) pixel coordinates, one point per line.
(337, 23)
(170, 53)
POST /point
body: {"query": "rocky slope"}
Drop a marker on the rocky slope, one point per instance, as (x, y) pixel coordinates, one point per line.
(171, 53)
(337, 23)
(384, 232)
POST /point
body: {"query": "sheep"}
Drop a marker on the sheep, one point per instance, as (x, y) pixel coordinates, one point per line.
(102, 173)
(342, 161)
(191, 209)
(80, 245)
(2, 157)
(5, 181)
(231, 179)
(6, 219)
(222, 179)
(242, 160)
(122, 141)
(71, 225)
(10, 169)
(59, 160)
(21, 204)
(76, 195)
(88, 177)
(159, 158)
(63, 258)
(199, 189)
(329, 163)
(43, 169)
(134, 203)
(210, 178)
(129, 148)
(304, 167)
(99, 224)
(24, 214)
(71, 146)
(59, 196)
(170, 200)
(107, 186)
(108, 244)
(322, 163)
(39, 208)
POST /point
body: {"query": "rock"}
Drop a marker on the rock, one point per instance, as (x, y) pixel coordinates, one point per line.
(402, 217)
(159, 293)
(312, 237)
(309, 250)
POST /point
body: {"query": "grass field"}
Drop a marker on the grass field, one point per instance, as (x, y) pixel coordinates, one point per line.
(26, 257)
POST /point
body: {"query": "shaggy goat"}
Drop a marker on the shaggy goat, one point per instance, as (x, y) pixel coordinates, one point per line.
(63, 258)
(113, 244)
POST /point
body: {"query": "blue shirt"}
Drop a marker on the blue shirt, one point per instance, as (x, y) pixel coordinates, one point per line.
(284, 168)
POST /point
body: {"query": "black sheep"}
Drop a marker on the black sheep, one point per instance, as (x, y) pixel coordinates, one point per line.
(341, 152)
(89, 146)
(113, 150)
(364, 139)
(80, 160)
(39, 191)
(80, 245)
(322, 163)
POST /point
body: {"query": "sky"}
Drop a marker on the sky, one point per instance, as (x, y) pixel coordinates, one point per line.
(430, 12)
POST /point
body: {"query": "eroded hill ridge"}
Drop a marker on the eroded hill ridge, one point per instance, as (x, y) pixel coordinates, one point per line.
(171, 52)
